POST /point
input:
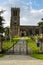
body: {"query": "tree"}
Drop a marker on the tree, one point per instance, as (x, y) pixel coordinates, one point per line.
(41, 25)
(41, 40)
(7, 33)
(1, 30)
(1, 24)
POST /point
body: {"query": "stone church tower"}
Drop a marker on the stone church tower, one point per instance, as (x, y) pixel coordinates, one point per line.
(15, 22)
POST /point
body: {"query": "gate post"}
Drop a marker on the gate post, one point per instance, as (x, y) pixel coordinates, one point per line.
(0, 43)
(20, 49)
(26, 48)
(41, 45)
(13, 47)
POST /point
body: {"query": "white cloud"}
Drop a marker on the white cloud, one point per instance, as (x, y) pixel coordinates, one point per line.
(32, 16)
(35, 11)
(6, 15)
(28, 15)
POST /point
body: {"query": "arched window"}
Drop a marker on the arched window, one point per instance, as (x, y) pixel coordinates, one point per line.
(30, 31)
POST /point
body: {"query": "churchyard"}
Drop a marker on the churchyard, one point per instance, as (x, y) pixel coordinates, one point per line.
(31, 42)
(18, 41)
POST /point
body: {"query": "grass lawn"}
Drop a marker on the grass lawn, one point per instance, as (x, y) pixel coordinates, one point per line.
(33, 46)
(1, 55)
(7, 44)
(38, 56)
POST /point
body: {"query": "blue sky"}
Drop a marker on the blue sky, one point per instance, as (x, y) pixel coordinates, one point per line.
(37, 4)
(30, 11)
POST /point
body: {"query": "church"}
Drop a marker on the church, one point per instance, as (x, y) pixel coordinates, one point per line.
(19, 30)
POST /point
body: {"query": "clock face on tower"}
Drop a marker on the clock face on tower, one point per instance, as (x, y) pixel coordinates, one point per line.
(15, 20)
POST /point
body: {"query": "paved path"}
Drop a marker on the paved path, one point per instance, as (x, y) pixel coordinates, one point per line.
(30, 62)
(19, 60)
(17, 57)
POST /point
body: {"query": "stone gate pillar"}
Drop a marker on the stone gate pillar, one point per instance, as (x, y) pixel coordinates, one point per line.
(41, 45)
(0, 43)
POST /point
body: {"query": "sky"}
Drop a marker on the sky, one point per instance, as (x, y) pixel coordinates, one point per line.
(31, 11)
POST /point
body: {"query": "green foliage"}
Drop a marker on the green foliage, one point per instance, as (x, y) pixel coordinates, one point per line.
(1, 55)
(6, 30)
(32, 38)
(38, 56)
(8, 44)
(40, 24)
(32, 44)
(1, 25)
(15, 39)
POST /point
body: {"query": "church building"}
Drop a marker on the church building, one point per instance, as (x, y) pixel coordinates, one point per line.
(19, 30)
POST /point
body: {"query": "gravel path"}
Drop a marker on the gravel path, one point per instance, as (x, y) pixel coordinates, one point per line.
(17, 57)
(19, 60)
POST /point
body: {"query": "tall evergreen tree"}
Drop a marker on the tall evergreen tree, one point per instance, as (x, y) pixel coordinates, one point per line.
(1, 19)
(1, 24)
(1, 30)
(41, 25)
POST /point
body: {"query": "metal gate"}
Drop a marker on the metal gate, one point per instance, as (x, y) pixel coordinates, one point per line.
(21, 47)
